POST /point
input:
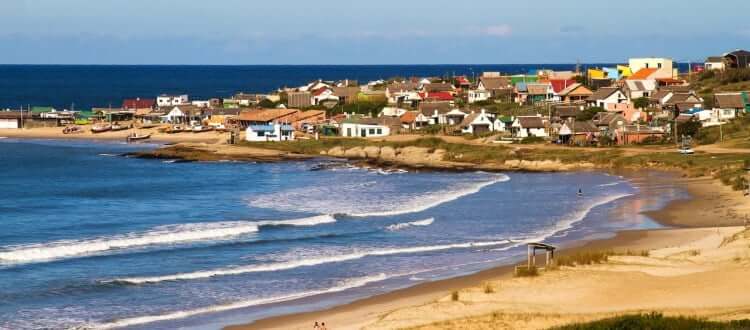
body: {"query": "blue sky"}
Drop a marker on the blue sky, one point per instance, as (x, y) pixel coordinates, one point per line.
(365, 32)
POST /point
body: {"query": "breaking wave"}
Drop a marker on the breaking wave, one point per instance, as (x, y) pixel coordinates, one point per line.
(303, 262)
(611, 184)
(343, 286)
(420, 223)
(163, 235)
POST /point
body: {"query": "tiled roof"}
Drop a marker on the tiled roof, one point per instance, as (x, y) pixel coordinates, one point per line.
(266, 115)
(643, 74)
(531, 122)
(603, 93)
(729, 101)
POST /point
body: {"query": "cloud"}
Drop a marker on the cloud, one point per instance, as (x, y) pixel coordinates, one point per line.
(502, 30)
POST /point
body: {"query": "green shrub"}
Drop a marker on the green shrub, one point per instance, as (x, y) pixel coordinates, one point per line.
(532, 140)
(656, 321)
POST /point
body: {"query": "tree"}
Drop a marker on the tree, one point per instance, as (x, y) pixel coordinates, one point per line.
(266, 103)
(689, 128)
(641, 103)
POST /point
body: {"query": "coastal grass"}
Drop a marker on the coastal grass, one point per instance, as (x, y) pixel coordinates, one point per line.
(656, 321)
(525, 271)
(594, 257)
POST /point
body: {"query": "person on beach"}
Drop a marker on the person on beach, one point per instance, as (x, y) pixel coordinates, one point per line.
(316, 326)
(323, 326)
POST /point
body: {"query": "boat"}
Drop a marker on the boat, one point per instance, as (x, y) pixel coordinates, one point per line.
(72, 130)
(201, 129)
(101, 128)
(175, 129)
(118, 127)
(137, 137)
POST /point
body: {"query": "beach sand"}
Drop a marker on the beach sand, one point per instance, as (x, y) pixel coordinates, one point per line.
(56, 133)
(694, 271)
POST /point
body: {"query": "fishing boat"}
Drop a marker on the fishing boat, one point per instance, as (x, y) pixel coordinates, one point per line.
(175, 129)
(137, 137)
(118, 127)
(101, 128)
(72, 130)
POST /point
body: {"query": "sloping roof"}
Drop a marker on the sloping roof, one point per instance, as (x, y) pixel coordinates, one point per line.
(682, 98)
(584, 127)
(494, 82)
(409, 117)
(567, 110)
(603, 93)
(659, 95)
(605, 118)
(347, 92)
(407, 86)
(572, 88)
(308, 114)
(729, 101)
(531, 122)
(560, 84)
(438, 87)
(676, 88)
(469, 119)
(319, 91)
(714, 59)
(643, 74)
(266, 115)
(428, 108)
(538, 89)
(440, 96)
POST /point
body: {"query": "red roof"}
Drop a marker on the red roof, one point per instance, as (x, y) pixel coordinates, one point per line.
(643, 74)
(440, 96)
(409, 117)
(462, 80)
(560, 84)
(138, 103)
(319, 91)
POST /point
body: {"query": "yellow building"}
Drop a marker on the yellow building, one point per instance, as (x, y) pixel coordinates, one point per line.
(597, 74)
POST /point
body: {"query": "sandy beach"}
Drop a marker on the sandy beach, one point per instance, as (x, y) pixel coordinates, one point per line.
(693, 269)
(156, 136)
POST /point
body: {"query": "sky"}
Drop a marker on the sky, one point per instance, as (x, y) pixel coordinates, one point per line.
(366, 32)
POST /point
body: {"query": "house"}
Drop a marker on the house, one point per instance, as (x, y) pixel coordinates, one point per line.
(604, 97)
(639, 88)
(683, 100)
(165, 100)
(462, 82)
(308, 120)
(575, 92)
(184, 114)
(347, 94)
(579, 133)
(452, 117)
(402, 93)
(409, 120)
(271, 132)
(313, 86)
(737, 59)
(730, 105)
(608, 121)
(664, 65)
(13, 119)
(497, 86)
(437, 96)
(299, 99)
(324, 95)
(632, 134)
(267, 117)
(651, 74)
(222, 117)
(558, 85)
(364, 127)
(433, 110)
(566, 113)
(503, 123)
(477, 95)
(392, 112)
(539, 92)
(477, 123)
(528, 126)
(138, 103)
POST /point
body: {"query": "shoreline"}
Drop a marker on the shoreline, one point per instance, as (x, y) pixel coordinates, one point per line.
(678, 230)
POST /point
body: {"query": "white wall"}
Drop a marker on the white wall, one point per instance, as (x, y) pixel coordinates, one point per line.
(355, 130)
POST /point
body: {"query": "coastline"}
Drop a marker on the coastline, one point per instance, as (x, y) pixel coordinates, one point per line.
(684, 220)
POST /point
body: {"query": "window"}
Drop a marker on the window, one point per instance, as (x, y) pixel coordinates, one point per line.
(380, 131)
(349, 131)
(372, 131)
(659, 65)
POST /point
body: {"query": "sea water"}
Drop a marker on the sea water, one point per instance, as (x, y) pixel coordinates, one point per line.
(92, 239)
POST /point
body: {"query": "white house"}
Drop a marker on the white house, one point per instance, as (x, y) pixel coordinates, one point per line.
(324, 94)
(478, 95)
(364, 127)
(477, 123)
(659, 63)
(714, 63)
(529, 126)
(453, 117)
(165, 100)
(313, 86)
(639, 88)
(392, 112)
(606, 97)
(175, 116)
(273, 132)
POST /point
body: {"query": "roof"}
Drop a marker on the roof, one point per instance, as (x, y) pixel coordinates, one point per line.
(643, 74)
(603, 93)
(138, 103)
(428, 108)
(739, 52)
(407, 86)
(469, 119)
(494, 82)
(438, 87)
(605, 118)
(729, 101)
(308, 114)
(538, 89)
(570, 89)
(531, 122)
(567, 110)
(440, 96)
(560, 84)
(319, 91)
(14, 114)
(682, 98)
(409, 117)
(584, 127)
(714, 59)
(266, 115)
(659, 95)
(346, 91)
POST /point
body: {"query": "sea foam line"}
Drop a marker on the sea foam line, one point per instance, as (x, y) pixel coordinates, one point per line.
(173, 234)
(344, 285)
(420, 223)
(437, 199)
(300, 263)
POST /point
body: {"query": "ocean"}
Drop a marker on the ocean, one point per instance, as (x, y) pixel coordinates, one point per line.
(92, 239)
(86, 86)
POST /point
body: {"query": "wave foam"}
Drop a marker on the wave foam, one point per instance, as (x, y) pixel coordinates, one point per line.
(420, 223)
(611, 184)
(173, 234)
(345, 285)
(302, 263)
(436, 199)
